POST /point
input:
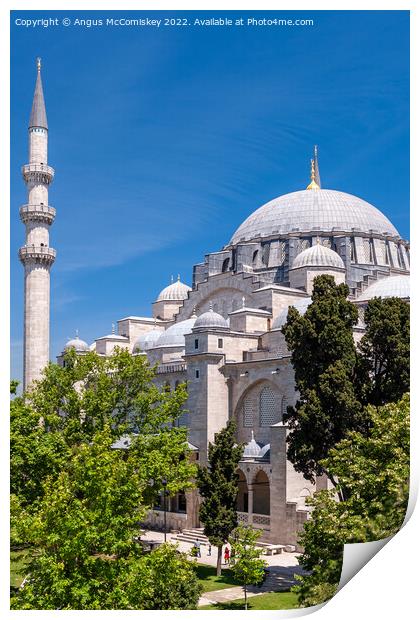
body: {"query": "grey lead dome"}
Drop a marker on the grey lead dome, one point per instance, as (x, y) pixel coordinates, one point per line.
(325, 210)
(318, 256)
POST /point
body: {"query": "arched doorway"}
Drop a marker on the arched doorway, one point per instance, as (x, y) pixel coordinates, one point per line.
(242, 497)
(261, 495)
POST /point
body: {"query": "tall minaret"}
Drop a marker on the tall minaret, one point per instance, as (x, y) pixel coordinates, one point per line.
(36, 255)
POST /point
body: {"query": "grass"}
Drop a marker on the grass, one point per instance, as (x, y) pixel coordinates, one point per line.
(18, 563)
(208, 579)
(271, 600)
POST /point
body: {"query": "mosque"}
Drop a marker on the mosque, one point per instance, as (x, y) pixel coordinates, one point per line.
(222, 335)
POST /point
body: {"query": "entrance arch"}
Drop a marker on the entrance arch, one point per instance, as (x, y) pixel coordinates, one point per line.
(242, 497)
(261, 495)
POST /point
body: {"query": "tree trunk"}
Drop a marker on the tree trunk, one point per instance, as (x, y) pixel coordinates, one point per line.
(219, 560)
(246, 600)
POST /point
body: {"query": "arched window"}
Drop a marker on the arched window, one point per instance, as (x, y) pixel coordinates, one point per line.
(267, 407)
(255, 258)
(225, 265)
(266, 254)
(248, 412)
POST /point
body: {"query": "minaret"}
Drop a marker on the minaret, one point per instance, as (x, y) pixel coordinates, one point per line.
(36, 255)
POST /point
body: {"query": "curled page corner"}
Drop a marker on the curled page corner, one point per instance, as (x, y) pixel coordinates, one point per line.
(356, 555)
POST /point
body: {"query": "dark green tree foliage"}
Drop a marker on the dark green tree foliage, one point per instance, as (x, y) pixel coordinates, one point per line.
(218, 486)
(324, 359)
(374, 470)
(384, 366)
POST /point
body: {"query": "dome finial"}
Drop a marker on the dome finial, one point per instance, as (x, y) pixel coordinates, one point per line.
(252, 435)
(38, 64)
(211, 306)
(313, 184)
(179, 278)
(77, 333)
(316, 167)
(172, 279)
(113, 328)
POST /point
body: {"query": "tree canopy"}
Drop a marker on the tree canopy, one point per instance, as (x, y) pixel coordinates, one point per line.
(248, 567)
(78, 500)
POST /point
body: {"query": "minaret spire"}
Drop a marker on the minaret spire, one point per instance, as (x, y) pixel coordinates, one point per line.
(36, 255)
(38, 116)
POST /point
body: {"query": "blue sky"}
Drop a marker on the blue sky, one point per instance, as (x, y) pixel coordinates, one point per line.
(165, 140)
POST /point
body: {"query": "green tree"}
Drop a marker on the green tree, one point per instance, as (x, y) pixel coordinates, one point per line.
(384, 352)
(248, 568)
(218, 486)
(163, 579)
(84, 531)
(77, 500)
(374, 470)
(324, 359)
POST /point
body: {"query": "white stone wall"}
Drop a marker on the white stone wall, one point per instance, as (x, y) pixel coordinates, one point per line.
(36, 320)
(38, 145)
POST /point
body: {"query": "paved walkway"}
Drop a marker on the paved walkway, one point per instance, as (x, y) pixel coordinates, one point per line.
(281, 570)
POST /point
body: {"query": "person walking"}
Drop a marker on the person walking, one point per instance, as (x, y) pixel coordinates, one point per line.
(227, 555)
(197, 544)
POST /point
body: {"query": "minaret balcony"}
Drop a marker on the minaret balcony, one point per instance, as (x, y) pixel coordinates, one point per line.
(38, 253)
(37, 213)
(38, 173)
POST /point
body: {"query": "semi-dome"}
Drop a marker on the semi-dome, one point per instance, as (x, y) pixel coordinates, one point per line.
(177, 291)
(252, 448)
(394, 286)
(77, 344)
(174, 336)
(318, 256)
(308, 210)
(301, 306)
(147, 340)
(211, 320)
(265, 452)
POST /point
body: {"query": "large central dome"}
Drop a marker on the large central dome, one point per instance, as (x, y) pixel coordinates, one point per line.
(323, 210)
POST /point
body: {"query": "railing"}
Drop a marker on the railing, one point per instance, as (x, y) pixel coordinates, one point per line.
(42, 252)
(176, 367)
(38, 170)
(261, 521)
(242, 517)
(42, 211)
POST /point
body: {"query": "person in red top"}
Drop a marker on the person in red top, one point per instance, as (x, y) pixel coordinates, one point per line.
(227, 555)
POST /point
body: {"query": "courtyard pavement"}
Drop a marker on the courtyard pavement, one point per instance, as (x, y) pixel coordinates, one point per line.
(281, 570)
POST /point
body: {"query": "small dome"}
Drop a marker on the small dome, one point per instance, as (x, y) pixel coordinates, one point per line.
(147, 340)
(318, 256)
(394, 286)
(301, 306)
(174, 336)
(77, 344)
(265, 452)
(252, 448)
(211, 320)
(177, 291)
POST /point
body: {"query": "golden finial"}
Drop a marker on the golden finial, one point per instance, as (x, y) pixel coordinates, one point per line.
(313, 184)
(38, 63)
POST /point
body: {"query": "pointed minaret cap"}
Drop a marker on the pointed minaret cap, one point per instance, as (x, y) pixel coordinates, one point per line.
(38, 113)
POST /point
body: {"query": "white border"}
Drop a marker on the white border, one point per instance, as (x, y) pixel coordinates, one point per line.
(387, 586)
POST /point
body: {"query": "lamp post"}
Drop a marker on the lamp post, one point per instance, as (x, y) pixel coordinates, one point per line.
(165, 493)
(164, 483)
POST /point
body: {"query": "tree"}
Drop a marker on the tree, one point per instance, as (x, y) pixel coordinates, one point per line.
(384, 352)
(324, 359)
(249, 567)
(374, 470)
(163, 579)
(85, 529)
(218, 486)
(82, 502)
